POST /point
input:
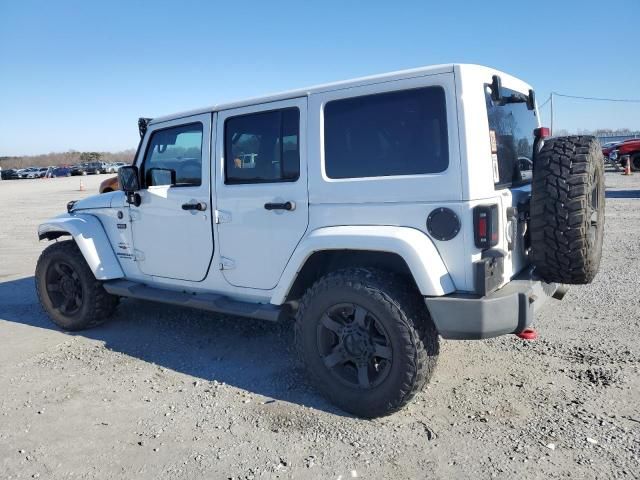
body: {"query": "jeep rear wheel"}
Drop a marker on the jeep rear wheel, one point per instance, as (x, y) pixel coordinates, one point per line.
(567, 210)
(367, 340)
(635, 162)
(68, 290)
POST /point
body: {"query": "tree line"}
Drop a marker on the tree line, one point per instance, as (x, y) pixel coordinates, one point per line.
(66, 158)
(600, 132)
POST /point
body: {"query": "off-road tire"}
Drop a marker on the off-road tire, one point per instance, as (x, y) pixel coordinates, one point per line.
(401, 310)
(97, 305)
(635, 162)
(567, 195)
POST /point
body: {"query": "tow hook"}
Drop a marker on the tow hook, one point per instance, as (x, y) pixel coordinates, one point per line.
(528, 334)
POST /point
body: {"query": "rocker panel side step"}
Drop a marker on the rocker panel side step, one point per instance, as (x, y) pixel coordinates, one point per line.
(202, 301)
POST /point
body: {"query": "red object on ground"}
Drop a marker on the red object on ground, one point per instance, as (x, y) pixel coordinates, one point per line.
(528, 334)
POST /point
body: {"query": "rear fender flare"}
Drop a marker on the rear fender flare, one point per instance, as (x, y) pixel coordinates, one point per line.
(415, 247)
(89, 235)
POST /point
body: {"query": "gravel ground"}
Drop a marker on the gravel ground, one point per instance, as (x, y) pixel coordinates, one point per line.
(164, 392)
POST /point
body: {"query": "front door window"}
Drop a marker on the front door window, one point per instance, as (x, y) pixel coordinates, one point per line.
(174, 157)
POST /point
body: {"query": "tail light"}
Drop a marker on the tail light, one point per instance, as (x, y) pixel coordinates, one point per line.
(542, 132)
(485, 226)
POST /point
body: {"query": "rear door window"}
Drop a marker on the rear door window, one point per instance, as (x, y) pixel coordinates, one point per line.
(394, 133)
(262, 147)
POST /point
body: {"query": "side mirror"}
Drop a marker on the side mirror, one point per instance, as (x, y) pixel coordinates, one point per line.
(129, 181)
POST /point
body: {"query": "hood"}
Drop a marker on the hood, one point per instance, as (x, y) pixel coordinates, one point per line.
(95, 201)
(628, 146)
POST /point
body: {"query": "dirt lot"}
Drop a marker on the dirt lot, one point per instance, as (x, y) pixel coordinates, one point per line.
(162, 392)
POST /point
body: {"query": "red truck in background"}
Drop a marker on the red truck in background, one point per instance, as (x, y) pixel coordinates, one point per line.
(629, 147)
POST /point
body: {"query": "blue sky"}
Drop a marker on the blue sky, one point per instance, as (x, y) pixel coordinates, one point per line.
(78, 74)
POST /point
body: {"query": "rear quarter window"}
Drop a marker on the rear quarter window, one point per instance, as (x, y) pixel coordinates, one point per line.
(386, 134)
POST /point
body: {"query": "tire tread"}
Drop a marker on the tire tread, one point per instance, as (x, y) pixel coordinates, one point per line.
(416, 326)
(561, 189)
(102, 303)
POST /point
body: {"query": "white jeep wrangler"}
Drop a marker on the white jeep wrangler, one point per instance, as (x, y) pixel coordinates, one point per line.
(382, 213)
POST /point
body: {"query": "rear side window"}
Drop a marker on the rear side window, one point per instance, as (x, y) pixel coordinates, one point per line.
(262, 147)
(175, 151)
(396, 133)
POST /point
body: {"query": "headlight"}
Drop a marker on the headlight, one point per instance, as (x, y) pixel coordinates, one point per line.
(614, 155)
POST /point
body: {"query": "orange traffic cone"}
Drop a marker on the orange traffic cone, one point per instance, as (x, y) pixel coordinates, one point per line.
(81, 186)
(627, 168)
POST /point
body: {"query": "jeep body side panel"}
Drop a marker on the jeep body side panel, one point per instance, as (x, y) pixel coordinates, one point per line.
(456, 254)
(89, 235)
(413, 246)
(395, 200)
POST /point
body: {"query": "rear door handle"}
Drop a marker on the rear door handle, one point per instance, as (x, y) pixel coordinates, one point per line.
(199, 206)
(280, 206)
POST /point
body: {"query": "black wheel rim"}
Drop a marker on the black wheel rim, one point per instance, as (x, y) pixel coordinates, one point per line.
(64, 288)
(354, 346)
(593, 210)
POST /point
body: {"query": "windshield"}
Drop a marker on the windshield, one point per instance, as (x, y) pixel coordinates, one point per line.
(511, 129)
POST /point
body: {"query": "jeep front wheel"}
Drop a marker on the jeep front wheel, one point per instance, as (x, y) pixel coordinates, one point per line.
(367, 340)
(68, 290)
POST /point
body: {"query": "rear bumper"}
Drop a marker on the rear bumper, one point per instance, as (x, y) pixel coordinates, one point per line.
(509, 310)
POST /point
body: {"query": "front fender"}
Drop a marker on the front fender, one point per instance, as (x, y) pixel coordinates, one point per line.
(89, 235)
(416, 248)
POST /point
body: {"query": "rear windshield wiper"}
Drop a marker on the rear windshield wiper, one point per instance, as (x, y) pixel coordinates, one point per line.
(514, 98)
(496, 95)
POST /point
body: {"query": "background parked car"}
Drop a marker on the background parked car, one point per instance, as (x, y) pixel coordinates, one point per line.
(79, 169)
(109, 185)
(30, 172)
(96, 168)
(61, 172)
(45, 172)
(608, 147)
(629, 148)
(10, 174)
(114, 167)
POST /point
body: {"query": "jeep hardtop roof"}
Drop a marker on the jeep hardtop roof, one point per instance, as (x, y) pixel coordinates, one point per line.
(302, 92)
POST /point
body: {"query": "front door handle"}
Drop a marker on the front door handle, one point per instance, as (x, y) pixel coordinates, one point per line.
(280, 206)
(199, 206)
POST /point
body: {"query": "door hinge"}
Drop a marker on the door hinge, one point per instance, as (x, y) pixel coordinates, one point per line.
(227, 263)
(138, 255)
(133, 215)
(222, 216)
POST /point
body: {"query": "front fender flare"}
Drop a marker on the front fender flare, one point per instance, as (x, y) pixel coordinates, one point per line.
(415, 247)
(92, 240)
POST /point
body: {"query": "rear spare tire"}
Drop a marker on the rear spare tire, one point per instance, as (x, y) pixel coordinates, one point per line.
(567, 209)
